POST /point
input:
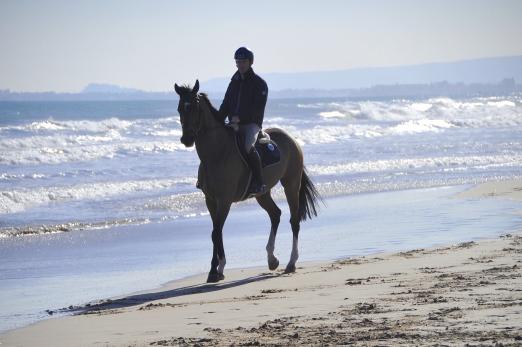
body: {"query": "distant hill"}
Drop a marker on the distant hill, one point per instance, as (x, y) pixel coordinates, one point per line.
(485, 71)
(468, 78)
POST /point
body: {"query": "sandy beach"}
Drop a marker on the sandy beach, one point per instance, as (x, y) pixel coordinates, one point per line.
(466, 293)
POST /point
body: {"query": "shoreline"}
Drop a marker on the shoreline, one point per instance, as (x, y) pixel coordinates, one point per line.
(37, 230)
(345, 301)
(188, 311)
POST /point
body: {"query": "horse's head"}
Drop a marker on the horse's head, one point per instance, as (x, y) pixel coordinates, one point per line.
(189, 114)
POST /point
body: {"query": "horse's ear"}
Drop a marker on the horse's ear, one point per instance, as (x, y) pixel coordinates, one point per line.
(176, 88)
(196, 87)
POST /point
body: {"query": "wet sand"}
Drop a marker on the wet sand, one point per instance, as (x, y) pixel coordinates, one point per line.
(468, 293)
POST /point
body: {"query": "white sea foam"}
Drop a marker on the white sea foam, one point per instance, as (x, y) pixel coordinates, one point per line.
(44, 125)
(73, 125)
(52, 142)
(9, 177)
(17, 200)
(89, 131)
(66, 227)
(312, 106)
(165, 133)
(60, 149)
(332, 114)
(502, 103)
(322, 134)
(422, 107)
(374, 110)
(448, 163)
(471, 112)
(420, 126)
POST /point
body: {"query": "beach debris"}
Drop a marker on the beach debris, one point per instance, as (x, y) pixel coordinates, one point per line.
(411, 253)
(466, 244)
(183, 341)
(271, 291)
(364, 307)
(353, 282)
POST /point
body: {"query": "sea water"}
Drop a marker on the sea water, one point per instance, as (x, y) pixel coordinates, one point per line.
(77, 179)
(82, 165)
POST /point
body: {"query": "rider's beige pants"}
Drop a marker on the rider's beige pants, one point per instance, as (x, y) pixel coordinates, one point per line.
(249, 134)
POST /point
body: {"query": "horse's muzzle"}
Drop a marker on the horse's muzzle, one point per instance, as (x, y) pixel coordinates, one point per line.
(188, 140)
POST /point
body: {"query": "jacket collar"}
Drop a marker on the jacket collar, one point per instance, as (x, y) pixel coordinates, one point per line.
(248, 75)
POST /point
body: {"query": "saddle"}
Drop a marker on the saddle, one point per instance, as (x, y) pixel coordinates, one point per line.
(265, 146)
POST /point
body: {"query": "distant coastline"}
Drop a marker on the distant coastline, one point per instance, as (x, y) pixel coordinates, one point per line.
(466, 78)
(507, 86)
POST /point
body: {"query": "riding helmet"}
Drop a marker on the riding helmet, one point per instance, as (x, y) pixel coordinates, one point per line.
(244, 53)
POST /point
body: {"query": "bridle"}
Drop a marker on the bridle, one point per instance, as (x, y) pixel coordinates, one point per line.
(198, 127)
(187, 108)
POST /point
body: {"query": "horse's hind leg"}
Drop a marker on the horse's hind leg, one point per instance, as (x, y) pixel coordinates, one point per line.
(292, 196)
(268, 204)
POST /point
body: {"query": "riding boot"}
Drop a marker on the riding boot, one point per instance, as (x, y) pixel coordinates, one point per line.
(254, 161)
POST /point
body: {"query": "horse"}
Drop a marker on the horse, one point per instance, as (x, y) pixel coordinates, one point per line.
(223, 176)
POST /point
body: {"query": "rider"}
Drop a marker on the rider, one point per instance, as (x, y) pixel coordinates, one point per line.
(244, 104)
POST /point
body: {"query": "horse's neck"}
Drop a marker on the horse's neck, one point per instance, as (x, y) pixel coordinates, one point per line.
(215, 143)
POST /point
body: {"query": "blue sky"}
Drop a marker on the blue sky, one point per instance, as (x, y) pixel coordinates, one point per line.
(64, 45)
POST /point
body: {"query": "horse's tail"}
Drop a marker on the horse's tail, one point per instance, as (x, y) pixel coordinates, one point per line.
(308, 198)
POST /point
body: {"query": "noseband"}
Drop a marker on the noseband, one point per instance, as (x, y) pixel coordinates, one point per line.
(197, 124)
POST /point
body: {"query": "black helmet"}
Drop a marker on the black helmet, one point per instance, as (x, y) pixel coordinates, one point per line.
(244, 53)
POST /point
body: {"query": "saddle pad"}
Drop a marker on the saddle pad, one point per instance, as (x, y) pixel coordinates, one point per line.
(267, 149)
(269, 153)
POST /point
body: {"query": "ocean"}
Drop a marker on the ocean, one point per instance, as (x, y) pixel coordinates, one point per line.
(71, 165)
(98, 198)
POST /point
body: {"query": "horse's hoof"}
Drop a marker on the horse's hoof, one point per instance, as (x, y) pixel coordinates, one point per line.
(273, 264)
(214, 277)
(290, 269)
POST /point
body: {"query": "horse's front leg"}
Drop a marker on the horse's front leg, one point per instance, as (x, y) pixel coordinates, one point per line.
(218, 212)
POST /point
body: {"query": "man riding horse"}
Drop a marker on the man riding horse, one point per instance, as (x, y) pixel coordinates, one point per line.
(222, 173)
(244, 105)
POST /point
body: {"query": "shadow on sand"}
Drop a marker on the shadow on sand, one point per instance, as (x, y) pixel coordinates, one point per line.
(140, 299)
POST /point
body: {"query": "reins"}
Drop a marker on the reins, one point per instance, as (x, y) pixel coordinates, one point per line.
(199, 129)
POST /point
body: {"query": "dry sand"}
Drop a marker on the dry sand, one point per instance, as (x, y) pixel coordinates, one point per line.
(470, 293)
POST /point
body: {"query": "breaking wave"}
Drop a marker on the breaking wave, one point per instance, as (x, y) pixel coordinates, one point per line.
(476, 112)
(446, 164)
(18, 200)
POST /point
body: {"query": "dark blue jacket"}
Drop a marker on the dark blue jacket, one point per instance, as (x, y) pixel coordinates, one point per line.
(245, 98)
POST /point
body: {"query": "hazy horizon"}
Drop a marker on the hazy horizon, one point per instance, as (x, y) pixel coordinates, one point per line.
(61, 46)
(492, 72)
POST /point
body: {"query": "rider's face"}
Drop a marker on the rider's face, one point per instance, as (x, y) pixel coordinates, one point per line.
(243, 65)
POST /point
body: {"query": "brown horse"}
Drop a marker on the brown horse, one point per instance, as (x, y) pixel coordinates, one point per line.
(223, 175)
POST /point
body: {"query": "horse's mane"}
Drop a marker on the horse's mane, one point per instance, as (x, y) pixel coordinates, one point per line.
(211, 107)
(188, 89)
